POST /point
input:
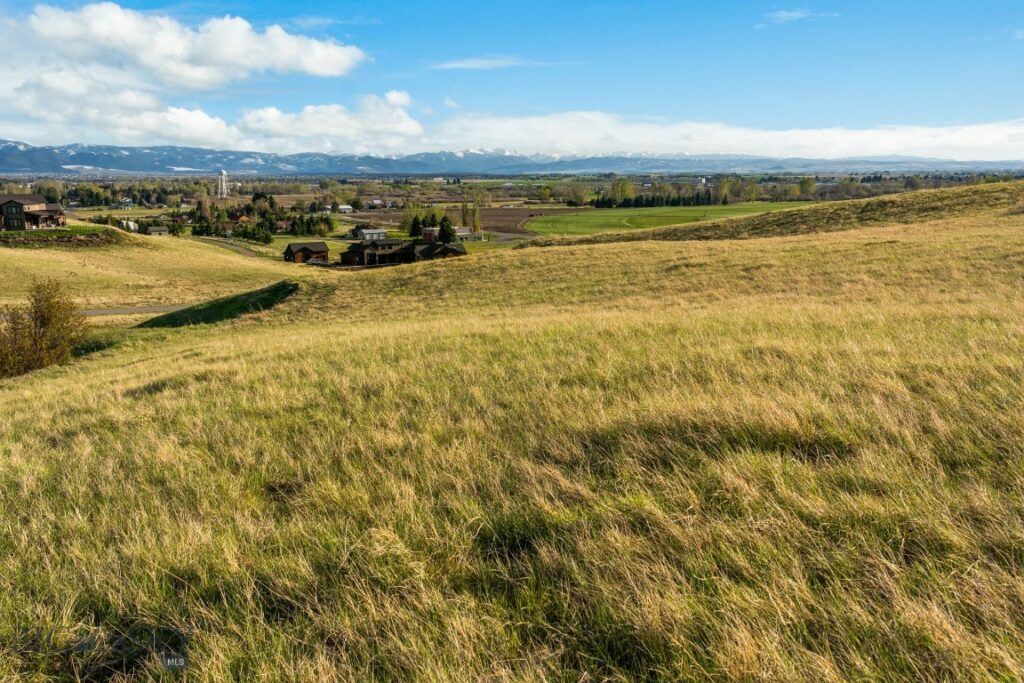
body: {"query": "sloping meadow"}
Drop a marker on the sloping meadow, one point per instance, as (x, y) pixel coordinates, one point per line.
(792, 459)
(909, 208)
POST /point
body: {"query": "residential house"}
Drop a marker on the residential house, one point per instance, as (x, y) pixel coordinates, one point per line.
(376, 252)
(29, 211)
(345, 208)
(393, 252)
(158, 230)
(301, 252)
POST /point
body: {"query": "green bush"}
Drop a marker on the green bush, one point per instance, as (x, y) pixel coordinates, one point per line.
(42, 333)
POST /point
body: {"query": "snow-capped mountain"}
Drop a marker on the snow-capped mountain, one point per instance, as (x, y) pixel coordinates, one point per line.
(95, 160)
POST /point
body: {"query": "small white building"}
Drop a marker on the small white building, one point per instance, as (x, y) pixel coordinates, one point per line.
(345, 208)
(369, 233)
(467, 235)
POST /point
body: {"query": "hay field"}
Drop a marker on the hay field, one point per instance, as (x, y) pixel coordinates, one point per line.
(797, 457)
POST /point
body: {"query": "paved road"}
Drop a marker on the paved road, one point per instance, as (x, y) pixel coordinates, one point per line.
(228, 245)
(507, 237)
(134, 310)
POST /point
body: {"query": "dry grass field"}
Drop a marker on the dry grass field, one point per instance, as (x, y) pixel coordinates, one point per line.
(140, 271)
(797, 457)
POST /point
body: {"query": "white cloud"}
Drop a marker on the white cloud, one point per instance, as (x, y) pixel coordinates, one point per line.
(594, 132)
(787, 16)
(1018, 35)
(449, 103)
(398, 98)
(379, 124)
(218, 52)
(481, 63)
(383, 124)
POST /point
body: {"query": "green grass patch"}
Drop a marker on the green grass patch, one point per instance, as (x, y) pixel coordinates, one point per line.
(593, 221)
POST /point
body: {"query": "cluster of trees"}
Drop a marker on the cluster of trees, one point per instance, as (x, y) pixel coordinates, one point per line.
(210, 219)
(311, 224)
(433, 219)
(416, 218)
(698, 198)
(166, 192)
(257, 220)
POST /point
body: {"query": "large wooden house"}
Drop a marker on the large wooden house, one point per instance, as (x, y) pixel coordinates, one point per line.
(29, 212)
(393, 252)
(300, 252)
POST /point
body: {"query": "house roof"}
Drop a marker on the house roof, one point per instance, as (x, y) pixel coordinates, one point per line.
(23, 198)
(311, 246)
(432, 249)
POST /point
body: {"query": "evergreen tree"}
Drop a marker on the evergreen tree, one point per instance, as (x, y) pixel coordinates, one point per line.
(446, 234)
(416, 227)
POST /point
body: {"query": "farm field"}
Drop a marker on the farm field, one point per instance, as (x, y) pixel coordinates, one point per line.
(591, 221)
(782, 447)
(496, 219)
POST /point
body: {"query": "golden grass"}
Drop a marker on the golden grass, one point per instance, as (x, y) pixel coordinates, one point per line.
(143, 271)
(795, 458)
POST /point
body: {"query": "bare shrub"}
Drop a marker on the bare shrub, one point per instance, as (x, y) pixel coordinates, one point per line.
(1019, 209)
(42, 333)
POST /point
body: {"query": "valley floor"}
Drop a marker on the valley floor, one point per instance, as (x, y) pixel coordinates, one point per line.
(789, 458)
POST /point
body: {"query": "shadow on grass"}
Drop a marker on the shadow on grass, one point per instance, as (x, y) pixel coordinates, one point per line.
(227, 308)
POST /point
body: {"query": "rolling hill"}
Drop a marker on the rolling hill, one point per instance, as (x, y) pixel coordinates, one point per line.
(793, 452)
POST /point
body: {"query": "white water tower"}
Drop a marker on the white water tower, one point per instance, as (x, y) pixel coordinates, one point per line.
(222, 185)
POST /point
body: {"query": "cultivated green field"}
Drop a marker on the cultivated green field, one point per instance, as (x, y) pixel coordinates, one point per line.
(592, 221)
(794, 454)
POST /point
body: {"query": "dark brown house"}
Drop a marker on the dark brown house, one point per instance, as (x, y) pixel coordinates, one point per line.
(393, 252)
(300, 252)
(29, 211)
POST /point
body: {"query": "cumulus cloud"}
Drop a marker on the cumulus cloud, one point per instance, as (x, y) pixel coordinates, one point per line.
(378, 124)
(219, 51)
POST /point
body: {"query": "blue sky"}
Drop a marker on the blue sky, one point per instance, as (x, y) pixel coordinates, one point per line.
(811, 79)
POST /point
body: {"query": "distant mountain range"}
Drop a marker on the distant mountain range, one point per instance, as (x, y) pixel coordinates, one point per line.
(103, 160)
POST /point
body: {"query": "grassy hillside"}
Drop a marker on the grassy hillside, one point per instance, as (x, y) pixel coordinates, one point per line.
(830, 217)
(780, 459)
(137, 271)
(593, 221)
(72, 236)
